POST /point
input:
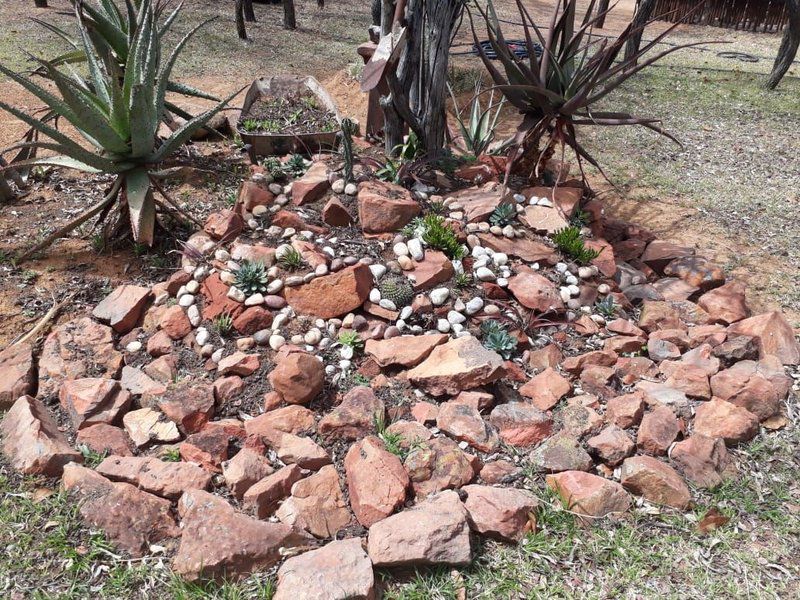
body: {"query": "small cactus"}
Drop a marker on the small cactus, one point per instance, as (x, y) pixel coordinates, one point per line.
(396, 288)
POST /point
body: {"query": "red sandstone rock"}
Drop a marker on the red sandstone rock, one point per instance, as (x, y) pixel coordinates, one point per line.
(336, 214)
(298, 377)
(17, 373)
(701, 459)
(219, 542)
(264, 496)
(175, 323)
(774, 334)
(464, 423)
(405, 350)
(93, 400)
(434, 270)
(105, 439)
(625, 411)
(588, 494)
(520, 424)
(32, 442)
(354, 417)
(166, 479)
(506, 514)
(131, 518)
(546, 389)
(332, 295)
(312, 186)
(434, 532)
(385, 207)
(376, 481)
(436, 465)
(123, 307)
(721, 419)
(535, 292)
(726, 304)
(460, 364)
(612, 445)
(224, 225)
(658, 429)
(317, 504)
(244, 470)
(655, 481)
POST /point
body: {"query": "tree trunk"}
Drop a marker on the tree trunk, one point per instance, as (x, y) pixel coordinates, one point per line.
(642, 16)
(387, 16)
(321, 3)
(789, 45)
(40, 3)
(602, 7)
(418, 91)
(289, 19)
(249, 15)
(240, 29)
(6, 193)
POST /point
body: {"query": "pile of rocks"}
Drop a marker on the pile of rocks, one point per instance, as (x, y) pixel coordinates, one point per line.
(346, 430)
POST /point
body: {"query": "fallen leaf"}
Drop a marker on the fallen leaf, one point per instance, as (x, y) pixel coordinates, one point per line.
(712, 520)
(41, 493)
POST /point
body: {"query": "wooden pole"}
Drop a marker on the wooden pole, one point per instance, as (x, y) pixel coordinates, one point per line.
(289, 18)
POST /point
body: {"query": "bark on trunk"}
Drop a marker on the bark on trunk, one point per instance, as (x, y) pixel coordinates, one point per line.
(642, 16)
(602, 7)
(249, 15)
(289, 19)
(789, 45)
(40, 3)
(240, 29)
(418, 91)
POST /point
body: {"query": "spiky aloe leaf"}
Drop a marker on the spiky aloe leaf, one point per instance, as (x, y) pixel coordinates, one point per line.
(138, 193)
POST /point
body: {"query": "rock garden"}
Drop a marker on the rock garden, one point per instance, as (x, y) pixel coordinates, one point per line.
(354, 371)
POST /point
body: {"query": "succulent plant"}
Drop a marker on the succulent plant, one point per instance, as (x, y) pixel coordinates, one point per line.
(295, 166)
(223, 324)
(606, 307)
(251, 277)
(439, 236)
(569, 241)
(351, 339)
(503, 215)
(496, 337)
(291, 259)
(396, 288)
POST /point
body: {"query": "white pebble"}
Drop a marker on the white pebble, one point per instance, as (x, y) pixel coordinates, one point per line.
(254, 300)
(415, 249)
(275, 286)
(374, 295)
(439, 296)
(217, 355)
(236, 294)
(400, 249)
(186, 300)
(194, 315)
(387, 304)
(455, 317)
(485, 274)
(133, 346)
(276, 341)
(443, 325)
(377, 270)
(500, 258)
(474, 306)
(201, 337)
(406, 312)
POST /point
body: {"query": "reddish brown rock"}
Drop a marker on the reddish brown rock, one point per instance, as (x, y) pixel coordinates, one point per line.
(224, 225)
(460, 364)
(123, 308)
(702, 460)
(355, 417)
(338, 571)
(163, 369)
(425, 412)
(612, 445)
(303, 451)
(129, 517)
(75, 349)
(774, 334)
(252, 252)
(17, 373)
(721, 419)
(239, 363)
(265, 495)
(139, 383)
(435, 531)
(207, 448)
(376, 481)
(244, 470)
(287, 219)
(543, 358)
(757, 386)
(175, 323)
(691, 380)
(464, 423)
(506, 514)
(385, 207)
(672, 288)
(741, 347)
(660, 349)
(655, 481)
(528, 250)
(696, 271)
(588, 494)
(480, 202)
(252, 319)
(89, 401)
(317, 504)
(176, 281)
(500, 471)
(605, 261)
(332, 295)
(289, 419)
(189, 405)
(601, 358)
(658, 429)
(336, 214)
(312, 186)
(216, 301)
(626, 410)
(251, 195)
(543, 219)
(623, 344)
(560, 453)
(32, 442)
(218, 542)
(159, 344)
(298, 377)
(726, 304)
(546, 389)
(105, 439)
(660, 253)
(410, 433)
(166, 479)
(405, 350)
(657, 315)
(535, 292)
(434, 270)
(436, 465)
(480, 401)
(228, 388)
(629, 370)
(578, 420)
(520, 424)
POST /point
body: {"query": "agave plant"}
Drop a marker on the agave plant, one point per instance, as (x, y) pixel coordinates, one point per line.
(478, 129)
(558, 92)
(118, 113)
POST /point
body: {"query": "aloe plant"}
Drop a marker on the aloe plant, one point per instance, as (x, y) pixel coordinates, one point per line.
(561, 90)
(117, 111)
(478, 129)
